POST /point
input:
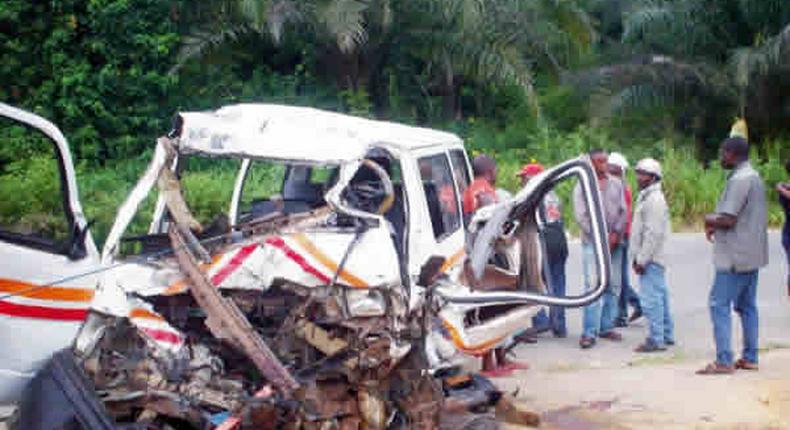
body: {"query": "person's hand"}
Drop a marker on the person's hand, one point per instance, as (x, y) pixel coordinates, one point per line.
(613, 240)
(709, 231)
(639, 269)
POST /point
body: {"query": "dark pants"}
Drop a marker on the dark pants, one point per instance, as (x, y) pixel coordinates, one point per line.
(627, 294)
(786, 244)
(555, 320)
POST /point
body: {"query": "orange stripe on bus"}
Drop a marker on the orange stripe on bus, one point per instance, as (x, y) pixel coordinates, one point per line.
(33, 291)
(182, 284)
(330, 264)
(452, 260)
(145, 314)
(478, 349)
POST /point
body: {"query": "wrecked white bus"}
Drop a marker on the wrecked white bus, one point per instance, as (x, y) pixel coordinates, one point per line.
(344, 299)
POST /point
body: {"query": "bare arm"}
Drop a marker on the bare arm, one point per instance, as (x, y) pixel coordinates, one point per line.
(783, 190)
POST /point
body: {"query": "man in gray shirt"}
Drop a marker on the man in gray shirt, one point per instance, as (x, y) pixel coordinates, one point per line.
(599, 317)
(649, 235)
(738, 230)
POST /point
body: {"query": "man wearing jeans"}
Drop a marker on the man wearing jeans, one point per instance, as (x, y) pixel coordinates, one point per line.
(599, 316)
(738, 230)
(649, 234)
(618, 165)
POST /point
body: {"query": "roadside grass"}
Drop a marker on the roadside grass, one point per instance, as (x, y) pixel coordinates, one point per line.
(28, 187)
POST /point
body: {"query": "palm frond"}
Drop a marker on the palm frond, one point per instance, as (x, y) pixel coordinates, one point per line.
(278, 14)
(255, 12)
(345, 21)
(202, 41)
(772, 55)
(651, 82)
(654, 17)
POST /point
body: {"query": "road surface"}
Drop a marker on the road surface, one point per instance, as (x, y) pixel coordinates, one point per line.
(611, 387)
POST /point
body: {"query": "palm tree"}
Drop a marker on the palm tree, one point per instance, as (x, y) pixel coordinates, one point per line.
(694, 58)
(443, 43)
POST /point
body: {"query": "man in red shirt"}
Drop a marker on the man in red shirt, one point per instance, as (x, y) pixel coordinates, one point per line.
(617, 167)
(481, 191)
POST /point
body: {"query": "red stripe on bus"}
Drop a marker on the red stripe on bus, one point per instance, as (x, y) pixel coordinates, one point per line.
(162, 335)
(234, 263)
(42, 312)
(279, 243)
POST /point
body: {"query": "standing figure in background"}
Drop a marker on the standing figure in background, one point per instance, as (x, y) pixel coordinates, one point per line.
(648, 254)
(739, 232)
(600, 315)
(555, 246)
(784, 198)
(618, 165)
(482, 192)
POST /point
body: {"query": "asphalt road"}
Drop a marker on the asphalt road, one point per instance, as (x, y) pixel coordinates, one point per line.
(610, 386)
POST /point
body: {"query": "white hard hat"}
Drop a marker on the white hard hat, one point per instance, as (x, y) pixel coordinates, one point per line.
(649, 165)
(618, 160)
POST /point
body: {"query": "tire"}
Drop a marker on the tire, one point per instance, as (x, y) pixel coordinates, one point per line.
(60, 396)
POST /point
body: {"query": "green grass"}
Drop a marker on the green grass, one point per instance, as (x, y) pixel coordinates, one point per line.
(29, 197)
(691, 189)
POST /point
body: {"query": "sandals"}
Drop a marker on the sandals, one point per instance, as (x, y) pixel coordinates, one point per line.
(586, 342)
(716, 369)
(497, 372)
(746, 365)
(515, 365)
(650, 347)
(611, 335)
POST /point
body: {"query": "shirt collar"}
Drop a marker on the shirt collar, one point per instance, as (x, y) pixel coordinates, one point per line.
(740, 167)
(655, 186)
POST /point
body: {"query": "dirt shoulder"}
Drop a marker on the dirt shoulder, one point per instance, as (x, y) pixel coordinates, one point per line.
(655, 391)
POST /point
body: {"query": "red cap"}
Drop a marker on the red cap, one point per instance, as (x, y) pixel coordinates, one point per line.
(530, 169)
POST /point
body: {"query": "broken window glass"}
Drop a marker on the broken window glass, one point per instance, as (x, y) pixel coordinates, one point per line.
(440, 194)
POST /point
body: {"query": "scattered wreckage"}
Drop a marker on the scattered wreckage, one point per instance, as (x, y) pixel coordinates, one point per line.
(345, 301)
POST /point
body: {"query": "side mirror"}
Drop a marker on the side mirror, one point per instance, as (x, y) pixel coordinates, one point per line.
(492, 222)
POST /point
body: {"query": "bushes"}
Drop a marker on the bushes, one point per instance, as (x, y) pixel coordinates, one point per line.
(97, 69)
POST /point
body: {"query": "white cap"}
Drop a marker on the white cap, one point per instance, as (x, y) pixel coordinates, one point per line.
(649, 165)
(618, 160)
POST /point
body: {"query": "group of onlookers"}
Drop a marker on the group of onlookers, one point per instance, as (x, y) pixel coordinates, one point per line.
(637, 231)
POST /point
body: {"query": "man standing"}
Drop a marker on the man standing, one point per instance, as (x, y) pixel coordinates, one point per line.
(556, 249)
(650, 232)
(738, 230)
(784, 199)
(479, 193)
(618, 165)
(599, 322)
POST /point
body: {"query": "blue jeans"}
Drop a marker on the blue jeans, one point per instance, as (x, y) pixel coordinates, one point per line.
(627, 296)
(600, 315)
(555, 320)
(655, 304)
(738, 290)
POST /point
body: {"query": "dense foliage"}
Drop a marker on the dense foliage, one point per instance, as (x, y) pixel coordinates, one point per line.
(541, 79)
